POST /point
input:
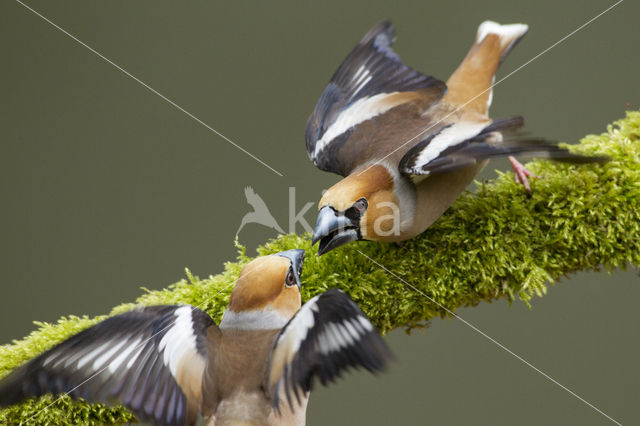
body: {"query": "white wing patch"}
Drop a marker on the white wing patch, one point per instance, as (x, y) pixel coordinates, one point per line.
(450, 136)
(289, 342)
(115, 364)
(304, 322)
(178, 340)
(135, 356)
(95, 352)
(366, 78)
(337, 336)
(72, 359)
(365, 324)
(358, 74)
(358, 112)
(108, 354)
(360, 79)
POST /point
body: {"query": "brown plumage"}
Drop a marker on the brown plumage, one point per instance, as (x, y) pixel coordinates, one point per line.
(407, 140)
(248, 296)
(171, 365)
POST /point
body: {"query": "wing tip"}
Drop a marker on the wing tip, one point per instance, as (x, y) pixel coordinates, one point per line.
(566, 156)
(10, 392)
(383, 27)
(504, 124)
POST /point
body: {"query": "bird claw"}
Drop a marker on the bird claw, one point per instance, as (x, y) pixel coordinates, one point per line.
(521, 174)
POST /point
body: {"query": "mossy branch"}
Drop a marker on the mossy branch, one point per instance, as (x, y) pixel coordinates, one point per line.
(494, 243)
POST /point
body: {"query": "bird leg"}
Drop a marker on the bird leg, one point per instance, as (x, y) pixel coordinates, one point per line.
(521, 173)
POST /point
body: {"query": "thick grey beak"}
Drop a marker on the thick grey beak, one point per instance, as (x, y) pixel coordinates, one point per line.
(296, 256)
(333, 230)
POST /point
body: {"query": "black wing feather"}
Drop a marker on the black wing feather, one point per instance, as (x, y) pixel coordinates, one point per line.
(338, 336)
(147, 386)
(475, 152)
(385, 73)
(486, 145)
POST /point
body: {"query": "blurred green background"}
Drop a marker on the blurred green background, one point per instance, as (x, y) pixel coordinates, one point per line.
(105, 187)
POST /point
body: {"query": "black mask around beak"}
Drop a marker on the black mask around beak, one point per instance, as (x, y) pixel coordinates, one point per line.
(296, 256)
(334, 229)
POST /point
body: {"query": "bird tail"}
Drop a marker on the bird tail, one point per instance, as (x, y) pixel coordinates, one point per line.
(507, 35)
(519, 145)
(470, 84)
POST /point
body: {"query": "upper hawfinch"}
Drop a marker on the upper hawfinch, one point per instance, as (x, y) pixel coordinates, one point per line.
(407, 143)
(171, 364)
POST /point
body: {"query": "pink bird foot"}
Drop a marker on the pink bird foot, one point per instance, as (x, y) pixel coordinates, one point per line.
(521, 174)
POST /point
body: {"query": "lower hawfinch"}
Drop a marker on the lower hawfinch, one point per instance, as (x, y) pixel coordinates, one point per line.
(406, 143)
(171, 365)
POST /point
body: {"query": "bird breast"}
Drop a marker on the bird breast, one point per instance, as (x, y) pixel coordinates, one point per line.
(437, 192)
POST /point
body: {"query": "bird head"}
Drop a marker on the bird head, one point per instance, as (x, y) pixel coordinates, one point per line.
(267, 293)
(362, 206)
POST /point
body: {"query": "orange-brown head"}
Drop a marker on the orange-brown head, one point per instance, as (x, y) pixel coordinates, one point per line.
(267, 293)
(363, 205)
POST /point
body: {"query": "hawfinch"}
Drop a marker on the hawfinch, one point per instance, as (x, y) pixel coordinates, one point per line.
(171, 365)
(406, 143)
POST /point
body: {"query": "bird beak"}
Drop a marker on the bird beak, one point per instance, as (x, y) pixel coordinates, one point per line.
(296, 256)
(333, 230)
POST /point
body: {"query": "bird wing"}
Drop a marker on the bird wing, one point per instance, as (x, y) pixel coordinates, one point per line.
(464, 143)
(327, 335)
(150, 359)
(264, 215)
(369, 83)
(254, 199)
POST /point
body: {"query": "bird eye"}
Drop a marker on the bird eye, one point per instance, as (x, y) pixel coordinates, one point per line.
(361, 205)
(291, 278)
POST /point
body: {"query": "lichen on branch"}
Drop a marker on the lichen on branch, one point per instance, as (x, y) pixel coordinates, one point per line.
(492, 243)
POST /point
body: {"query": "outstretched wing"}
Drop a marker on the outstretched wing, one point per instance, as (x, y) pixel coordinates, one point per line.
(371, 81)
(328, 335)
(254, 199)
(463, 144)
(150, 359)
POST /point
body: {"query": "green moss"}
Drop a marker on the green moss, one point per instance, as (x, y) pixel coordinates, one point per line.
(494, 243)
